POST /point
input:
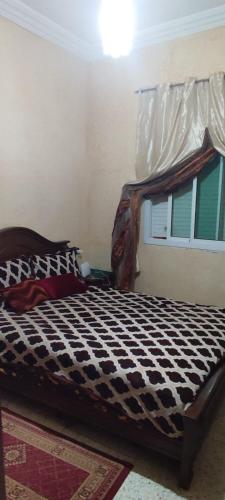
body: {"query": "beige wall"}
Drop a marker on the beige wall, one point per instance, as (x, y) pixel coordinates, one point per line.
(67, 145)
(43, 167)
(183, 274)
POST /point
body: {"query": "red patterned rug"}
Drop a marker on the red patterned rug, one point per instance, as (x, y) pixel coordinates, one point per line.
(42, 465)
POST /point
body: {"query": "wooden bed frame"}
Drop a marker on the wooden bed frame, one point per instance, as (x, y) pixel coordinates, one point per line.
(17, 241)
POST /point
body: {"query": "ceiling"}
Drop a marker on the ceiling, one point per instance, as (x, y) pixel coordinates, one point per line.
(81, 16)
(77, 20)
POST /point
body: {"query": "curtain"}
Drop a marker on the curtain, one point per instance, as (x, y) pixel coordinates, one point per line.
(180, 129)
(172, 121)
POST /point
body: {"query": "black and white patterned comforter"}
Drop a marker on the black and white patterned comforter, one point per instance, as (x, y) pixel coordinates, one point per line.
(147, 356)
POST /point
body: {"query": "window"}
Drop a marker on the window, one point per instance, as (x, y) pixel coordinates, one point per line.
(193, 216)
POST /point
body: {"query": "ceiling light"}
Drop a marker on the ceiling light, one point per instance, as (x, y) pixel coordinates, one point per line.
(116, 22)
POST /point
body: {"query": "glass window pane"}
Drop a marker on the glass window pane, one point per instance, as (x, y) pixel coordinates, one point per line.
(206, 216)
(159, 217)
(181, 212)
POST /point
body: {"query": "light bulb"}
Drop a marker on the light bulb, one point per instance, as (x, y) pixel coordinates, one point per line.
(116, 22)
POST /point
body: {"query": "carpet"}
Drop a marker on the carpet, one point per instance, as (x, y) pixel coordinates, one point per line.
(42, 465)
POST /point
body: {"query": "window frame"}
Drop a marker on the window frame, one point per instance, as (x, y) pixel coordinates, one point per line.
(192, 242)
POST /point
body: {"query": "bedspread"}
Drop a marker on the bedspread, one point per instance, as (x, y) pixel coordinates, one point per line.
(148, 356)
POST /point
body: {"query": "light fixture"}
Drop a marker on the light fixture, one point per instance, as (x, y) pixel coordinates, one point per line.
(116, 20)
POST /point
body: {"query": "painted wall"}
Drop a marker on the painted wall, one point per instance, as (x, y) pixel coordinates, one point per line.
(43, 167)
(179, 273)
(67, 145)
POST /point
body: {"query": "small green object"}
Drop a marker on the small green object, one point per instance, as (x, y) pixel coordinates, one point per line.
(100, 273)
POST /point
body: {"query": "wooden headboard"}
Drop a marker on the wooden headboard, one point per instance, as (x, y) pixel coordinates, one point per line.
(16, 241)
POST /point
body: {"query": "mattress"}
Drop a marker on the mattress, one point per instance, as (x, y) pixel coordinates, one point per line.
(146, 356)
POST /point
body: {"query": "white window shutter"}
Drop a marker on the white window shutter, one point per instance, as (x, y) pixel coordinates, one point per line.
(159, 217)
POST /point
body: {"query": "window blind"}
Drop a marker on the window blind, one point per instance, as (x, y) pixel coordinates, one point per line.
(159, 217)
(206, 218)
(181, 212)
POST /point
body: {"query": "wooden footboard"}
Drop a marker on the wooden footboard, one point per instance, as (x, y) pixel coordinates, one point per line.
(95, 413)
(196, 419)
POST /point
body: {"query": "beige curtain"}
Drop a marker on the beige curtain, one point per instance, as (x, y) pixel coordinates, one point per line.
(172, 122)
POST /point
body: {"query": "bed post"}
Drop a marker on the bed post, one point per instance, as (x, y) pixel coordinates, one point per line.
(193, 433)
(196, 421)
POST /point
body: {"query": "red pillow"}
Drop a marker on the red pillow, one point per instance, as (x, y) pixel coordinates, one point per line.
(63, 285)
(28, 294)
(24, 296)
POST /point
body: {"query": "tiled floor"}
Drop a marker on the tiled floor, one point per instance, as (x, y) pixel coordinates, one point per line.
(153, 477)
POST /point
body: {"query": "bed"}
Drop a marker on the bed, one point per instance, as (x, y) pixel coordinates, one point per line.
(147, 368)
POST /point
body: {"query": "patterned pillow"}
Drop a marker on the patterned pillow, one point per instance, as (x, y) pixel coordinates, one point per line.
(45, 266)
(14, 271)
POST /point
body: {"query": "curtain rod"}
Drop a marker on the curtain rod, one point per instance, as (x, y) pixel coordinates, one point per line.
(172, 85)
